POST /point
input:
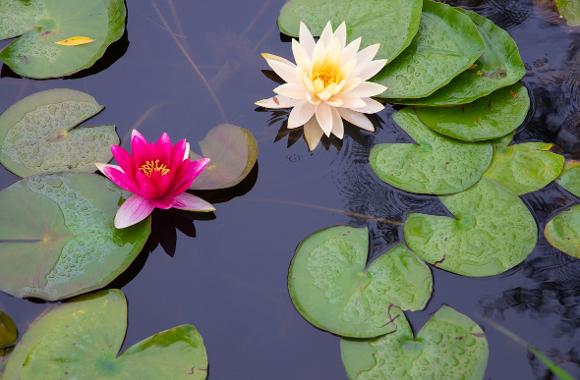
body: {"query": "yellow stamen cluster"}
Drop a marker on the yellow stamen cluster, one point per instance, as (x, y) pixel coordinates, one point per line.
(154, 166)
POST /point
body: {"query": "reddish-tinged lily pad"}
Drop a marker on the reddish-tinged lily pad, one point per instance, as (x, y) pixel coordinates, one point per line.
(233, 152)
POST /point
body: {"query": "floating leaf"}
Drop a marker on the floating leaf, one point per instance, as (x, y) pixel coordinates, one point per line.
(491, 231)
(563, 232)
(391, 23)
(570, 179)
(75, 41)
(57, 237)
(488, 118)
(81, 339)
(449, 346)
(447, 44)
(435, 164)
(525, 168)
(500, 66)
(38, 134)
(332, 287)
(233, 152)
(570, 10)
(8, 331)
(41, 23)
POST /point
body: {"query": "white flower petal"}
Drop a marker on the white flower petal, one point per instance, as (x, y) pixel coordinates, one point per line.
(356, 118)
(277, 102)
(300, 115)
(340, 33)
(271, 57)
(366, 72)
(291, 90)
(337, 124)
(306, 39)
(300, 56)
(351, 101)
(365, 90)
(326, 35)
(350, 51)
(312, 133)
(287, 72)
(367, 54)
(372, 106)
(324, 118)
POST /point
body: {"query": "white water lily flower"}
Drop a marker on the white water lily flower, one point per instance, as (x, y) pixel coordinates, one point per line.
(328, 83)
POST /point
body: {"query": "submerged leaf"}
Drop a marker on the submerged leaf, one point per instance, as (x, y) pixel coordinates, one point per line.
(563, 232)
(447, 44)
(449, 346)
(333, 288)
(525, 168)
(38, 134)
(570, 179)
(57, 238)
(80, 339)
(75, 41)
(488, 118)
(491, 231)
(8, 331)
(391, 23)
(41, 24)
(233, 152)
(435, 164)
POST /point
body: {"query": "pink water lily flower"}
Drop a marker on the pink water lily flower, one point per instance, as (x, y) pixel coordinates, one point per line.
(157, 175)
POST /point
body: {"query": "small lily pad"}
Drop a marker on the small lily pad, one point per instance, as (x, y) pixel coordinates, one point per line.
(57, 238)
(525, 168)
(570, 10)
(233, 152)
(435, 164)
(80, 339)
(8, 331)
(40, 24)
(449, 346)
(391, 23)
(488, 118)
(491, 231)
(447, 44)
(38, 134)
(563, 232)
(570, 179)
(333, 288)
(500, 66)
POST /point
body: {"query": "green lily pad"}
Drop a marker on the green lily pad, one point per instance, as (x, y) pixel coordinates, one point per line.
(447, 44)
(563, 232)
(491, 231)
(570, 10)
(525, 168)
(333, 288)
(80, 339)
(500, 66)
(435, 164)
(449, 346)
(570, 179)
(8, 331)
(57, 238)
(233, 152)
(38, 134)
(39, 24)
(488, 118)
(391, 23)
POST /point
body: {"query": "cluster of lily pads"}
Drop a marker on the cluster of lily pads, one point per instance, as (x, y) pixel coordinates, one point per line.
(459, 74)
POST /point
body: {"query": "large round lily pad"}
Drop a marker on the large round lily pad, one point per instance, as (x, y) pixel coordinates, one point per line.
(488, 118)
(570, 179)
(332, 287)
(40, 24)
(435, 164)
(525, 168)
(8, 331)
(449, 346)
(38, 134)
(491, 231)
(500, 66)
(57, 237)
(563, 232)
(447, 44)
(81, 340)
(391, 23)
(233, 152)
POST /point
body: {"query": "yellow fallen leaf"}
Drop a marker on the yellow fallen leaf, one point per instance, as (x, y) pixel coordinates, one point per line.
(75, 41)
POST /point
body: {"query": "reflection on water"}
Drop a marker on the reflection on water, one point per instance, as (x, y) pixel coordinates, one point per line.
(227, 273)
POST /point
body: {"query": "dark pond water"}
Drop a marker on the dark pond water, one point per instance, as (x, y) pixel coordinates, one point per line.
(227, 275)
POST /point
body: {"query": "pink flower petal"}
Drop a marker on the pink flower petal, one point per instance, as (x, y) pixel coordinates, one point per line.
(117, 176)
(132, 211)
(187, 173)
(123, 158)
(163, 203)
(139, 147)
(163, 149)
(190, 202)
(179, 152)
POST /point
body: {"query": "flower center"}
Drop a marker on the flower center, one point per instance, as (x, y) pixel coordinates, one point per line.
(325, 73)
(154, 166)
